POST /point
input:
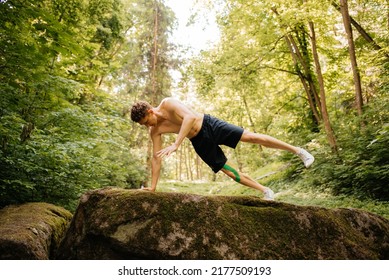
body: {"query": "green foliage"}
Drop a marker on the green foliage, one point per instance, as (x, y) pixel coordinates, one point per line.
(72, 152)
(254, 78)
(361, 168)
(61, 134)
(364, 170)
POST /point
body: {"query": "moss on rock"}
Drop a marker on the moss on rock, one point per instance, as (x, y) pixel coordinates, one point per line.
(32, 230)
(115, 223)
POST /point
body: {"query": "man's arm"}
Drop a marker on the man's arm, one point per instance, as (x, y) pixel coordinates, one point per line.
(155, 161)
(188, 120)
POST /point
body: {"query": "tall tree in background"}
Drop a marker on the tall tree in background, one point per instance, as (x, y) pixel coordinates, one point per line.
(155, 54)
(323, 102)
(295, 38)
(351, 48)
(361, 30)
(157, 22)
(300, 55)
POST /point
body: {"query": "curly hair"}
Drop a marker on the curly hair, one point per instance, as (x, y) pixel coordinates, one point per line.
(139, 110)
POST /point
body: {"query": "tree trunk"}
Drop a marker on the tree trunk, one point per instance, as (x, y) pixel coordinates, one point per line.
(180, 163)
(189, 160)
(154, 93)
(198, 167)
(308, 86)
(252, 125)
(326, 120)
(304, 62)
(148, 159)
(353, 58)
(155, 57)
(362, 31)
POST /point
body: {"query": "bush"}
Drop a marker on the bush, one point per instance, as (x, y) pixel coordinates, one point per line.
(365, 168)
(68, 153)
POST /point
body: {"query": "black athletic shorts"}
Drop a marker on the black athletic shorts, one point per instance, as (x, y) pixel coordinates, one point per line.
(215, 132)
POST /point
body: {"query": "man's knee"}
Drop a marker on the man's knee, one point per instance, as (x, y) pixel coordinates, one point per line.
(234, 172)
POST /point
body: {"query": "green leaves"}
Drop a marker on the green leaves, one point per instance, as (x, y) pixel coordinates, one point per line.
(59, 134)
(263, 76)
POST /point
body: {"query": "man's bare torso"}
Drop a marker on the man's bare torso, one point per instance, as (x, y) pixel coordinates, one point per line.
(170, 114)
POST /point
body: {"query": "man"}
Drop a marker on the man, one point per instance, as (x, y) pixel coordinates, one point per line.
(206, 134)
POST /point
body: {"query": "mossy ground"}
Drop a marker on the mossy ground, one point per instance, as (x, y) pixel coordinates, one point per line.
(32, 230)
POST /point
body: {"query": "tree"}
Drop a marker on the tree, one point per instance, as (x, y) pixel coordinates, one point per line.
(361, 30)
(324, 111)
(301, 61)
(353, 59)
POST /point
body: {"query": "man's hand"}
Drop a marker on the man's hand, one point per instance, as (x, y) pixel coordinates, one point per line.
(167, 151)
(148, 189)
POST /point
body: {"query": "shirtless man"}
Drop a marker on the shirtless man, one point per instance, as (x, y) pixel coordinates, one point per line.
(206, 134)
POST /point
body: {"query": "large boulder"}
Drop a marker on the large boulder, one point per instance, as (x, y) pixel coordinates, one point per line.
(31, 231)
(115, 223)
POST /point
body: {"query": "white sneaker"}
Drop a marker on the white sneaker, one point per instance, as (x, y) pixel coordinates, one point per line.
(306, 157)
(269, 194)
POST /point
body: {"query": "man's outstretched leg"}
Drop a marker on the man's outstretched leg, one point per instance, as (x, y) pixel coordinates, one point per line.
(247, 181)
(271, 142)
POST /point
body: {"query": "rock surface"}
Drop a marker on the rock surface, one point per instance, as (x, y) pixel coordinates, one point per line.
(126, 224)
(31, 231)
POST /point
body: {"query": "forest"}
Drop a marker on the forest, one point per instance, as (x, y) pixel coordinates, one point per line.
(314, 73)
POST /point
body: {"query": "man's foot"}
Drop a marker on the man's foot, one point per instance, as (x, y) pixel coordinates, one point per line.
(269, 194)
(306, 157)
